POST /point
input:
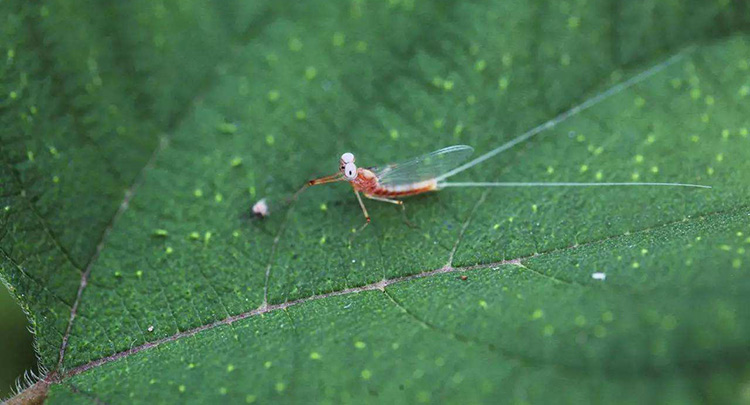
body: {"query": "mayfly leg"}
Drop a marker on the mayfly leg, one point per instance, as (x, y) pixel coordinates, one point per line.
(364, 211)
(392, 201)
(388, 200)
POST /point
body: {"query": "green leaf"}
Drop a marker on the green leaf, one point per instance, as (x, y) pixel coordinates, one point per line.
(137, 136)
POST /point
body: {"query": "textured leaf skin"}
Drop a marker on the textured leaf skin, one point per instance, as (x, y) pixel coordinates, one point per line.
(242, 100)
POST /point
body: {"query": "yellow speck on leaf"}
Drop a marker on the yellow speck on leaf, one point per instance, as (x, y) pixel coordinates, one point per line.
(311, 72)
(338, 39)
(295, 44)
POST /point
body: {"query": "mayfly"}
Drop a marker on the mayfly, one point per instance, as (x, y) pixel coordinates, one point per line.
(429, 172)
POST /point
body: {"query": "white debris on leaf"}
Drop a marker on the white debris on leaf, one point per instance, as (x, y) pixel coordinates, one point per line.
(261, 208)
(599, 276)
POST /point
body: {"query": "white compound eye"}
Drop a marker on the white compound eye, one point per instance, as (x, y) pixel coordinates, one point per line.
(350, 171)
(347, 158)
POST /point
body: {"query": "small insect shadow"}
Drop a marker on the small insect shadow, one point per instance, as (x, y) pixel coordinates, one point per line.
(255, 221)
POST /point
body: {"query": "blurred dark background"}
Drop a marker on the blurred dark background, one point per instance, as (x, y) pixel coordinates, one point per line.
(16, 349)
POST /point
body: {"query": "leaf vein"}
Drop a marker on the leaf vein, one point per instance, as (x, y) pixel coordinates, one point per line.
(380, 285)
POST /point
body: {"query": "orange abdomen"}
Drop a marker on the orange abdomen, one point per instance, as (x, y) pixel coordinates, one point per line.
(367, 183)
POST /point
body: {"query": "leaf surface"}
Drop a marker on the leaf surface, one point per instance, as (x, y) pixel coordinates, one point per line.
(137, 136)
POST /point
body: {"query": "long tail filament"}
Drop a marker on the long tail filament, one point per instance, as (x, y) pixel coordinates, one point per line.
(545, 184)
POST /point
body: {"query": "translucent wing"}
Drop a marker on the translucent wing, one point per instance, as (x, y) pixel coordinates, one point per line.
(423, 167)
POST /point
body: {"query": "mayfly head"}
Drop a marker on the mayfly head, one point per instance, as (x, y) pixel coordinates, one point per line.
(347, 166)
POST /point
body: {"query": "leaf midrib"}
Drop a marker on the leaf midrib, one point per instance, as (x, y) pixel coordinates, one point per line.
(381, 285)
